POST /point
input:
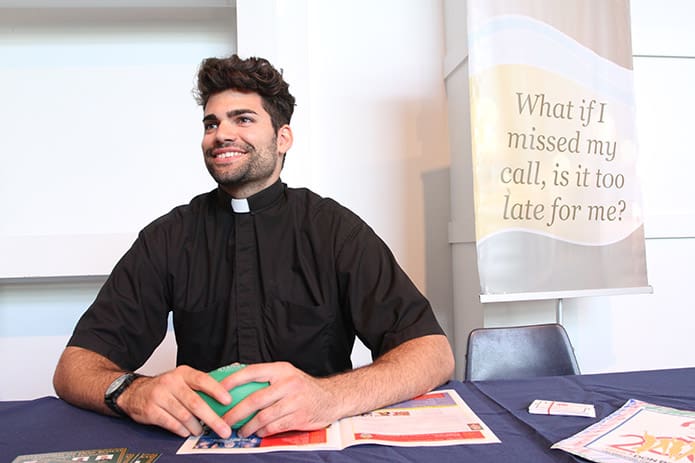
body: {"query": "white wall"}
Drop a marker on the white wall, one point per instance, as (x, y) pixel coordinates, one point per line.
(100, 136)
(620, 332)
(97, 105)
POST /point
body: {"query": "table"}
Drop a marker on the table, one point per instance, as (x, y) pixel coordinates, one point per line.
(49, 424)
(608, 392)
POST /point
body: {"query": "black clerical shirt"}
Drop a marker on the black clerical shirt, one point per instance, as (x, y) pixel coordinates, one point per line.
(294, 279)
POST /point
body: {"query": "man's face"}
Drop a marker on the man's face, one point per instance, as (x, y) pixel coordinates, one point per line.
(242, 151)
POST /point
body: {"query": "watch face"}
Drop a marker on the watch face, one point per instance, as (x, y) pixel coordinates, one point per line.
(116, 384)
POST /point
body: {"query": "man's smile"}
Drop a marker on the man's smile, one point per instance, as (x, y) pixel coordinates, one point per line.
(226, 154)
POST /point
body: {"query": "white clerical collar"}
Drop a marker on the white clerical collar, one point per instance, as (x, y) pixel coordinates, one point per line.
(240, 206)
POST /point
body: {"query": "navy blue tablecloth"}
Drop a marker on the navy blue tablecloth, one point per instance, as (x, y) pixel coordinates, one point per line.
(50, 425)
(607, 392)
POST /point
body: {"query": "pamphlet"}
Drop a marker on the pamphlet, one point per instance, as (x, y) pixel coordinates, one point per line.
(111, 455)
(637, 432)
(433, 419)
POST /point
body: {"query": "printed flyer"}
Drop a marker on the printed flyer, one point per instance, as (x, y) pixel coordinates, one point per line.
(433, 419)
(637, 432)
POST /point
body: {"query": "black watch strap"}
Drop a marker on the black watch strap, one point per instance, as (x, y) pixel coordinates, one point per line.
(116, 388)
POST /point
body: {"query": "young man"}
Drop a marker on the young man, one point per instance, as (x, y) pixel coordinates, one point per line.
(254, 272)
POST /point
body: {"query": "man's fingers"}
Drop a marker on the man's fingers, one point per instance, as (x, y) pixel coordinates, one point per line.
(261, 400)
(258, 372)
(189, 410)
(269, 420)
(171, 401)
(184, 428)
(199, 408)
(167, 412)
(195, 408)
(199, 381)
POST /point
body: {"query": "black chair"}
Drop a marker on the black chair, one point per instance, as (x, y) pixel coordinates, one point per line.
(519, 352)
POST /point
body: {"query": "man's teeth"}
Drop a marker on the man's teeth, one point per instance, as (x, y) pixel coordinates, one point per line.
(228, 154)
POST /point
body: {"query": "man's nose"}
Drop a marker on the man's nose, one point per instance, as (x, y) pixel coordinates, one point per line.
(226, 131)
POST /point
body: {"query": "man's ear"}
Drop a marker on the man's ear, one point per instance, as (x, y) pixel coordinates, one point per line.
(284, 138)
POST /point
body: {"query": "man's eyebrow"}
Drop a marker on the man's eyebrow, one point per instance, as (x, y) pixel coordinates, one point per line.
(239, 112)
(232, 113)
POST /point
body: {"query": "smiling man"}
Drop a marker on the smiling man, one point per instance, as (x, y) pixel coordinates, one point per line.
(255, 272)
(241, 145)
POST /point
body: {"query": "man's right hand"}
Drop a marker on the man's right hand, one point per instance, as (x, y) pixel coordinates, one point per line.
(169, 400)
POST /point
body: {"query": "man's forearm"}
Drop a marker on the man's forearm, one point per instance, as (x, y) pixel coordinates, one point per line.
(82, 377)
(413, 368)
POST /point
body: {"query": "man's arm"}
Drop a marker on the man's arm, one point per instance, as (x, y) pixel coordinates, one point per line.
(296, 400)
(167, 400)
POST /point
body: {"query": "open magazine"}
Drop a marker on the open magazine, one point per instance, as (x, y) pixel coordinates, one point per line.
(637, 432)
(435, 418)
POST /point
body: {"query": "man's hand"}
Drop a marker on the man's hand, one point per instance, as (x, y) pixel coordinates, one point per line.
(293, 401)
(297, 401)
(170, 401)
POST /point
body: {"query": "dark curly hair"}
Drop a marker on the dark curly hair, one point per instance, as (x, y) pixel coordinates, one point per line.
(253, 74)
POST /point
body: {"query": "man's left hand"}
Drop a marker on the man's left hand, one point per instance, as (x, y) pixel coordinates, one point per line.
(293, 401)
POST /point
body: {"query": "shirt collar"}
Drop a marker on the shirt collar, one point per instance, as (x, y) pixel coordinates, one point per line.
(254, 203)
(240, 206)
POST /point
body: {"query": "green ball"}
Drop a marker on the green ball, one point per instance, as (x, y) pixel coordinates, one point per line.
(238, 393)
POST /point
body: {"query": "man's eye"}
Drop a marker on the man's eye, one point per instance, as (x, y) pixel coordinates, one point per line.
(210, 126)
(244, 120)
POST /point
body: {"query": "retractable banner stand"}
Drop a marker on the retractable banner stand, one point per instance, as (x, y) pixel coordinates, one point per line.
(557, 195)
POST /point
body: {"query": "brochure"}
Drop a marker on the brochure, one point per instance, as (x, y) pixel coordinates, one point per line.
(433, 419)
(637, 432)
(111, 455)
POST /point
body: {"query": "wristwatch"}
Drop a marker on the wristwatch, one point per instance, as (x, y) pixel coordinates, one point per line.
(116, 388)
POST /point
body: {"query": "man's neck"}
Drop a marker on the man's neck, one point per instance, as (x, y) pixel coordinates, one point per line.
(249, 189)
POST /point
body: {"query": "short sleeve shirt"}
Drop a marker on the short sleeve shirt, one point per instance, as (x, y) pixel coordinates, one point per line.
(294, 279)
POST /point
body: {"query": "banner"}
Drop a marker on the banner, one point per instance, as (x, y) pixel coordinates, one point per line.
(557, 195)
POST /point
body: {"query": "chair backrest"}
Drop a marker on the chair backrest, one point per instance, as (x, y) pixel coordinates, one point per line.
(519, 352)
